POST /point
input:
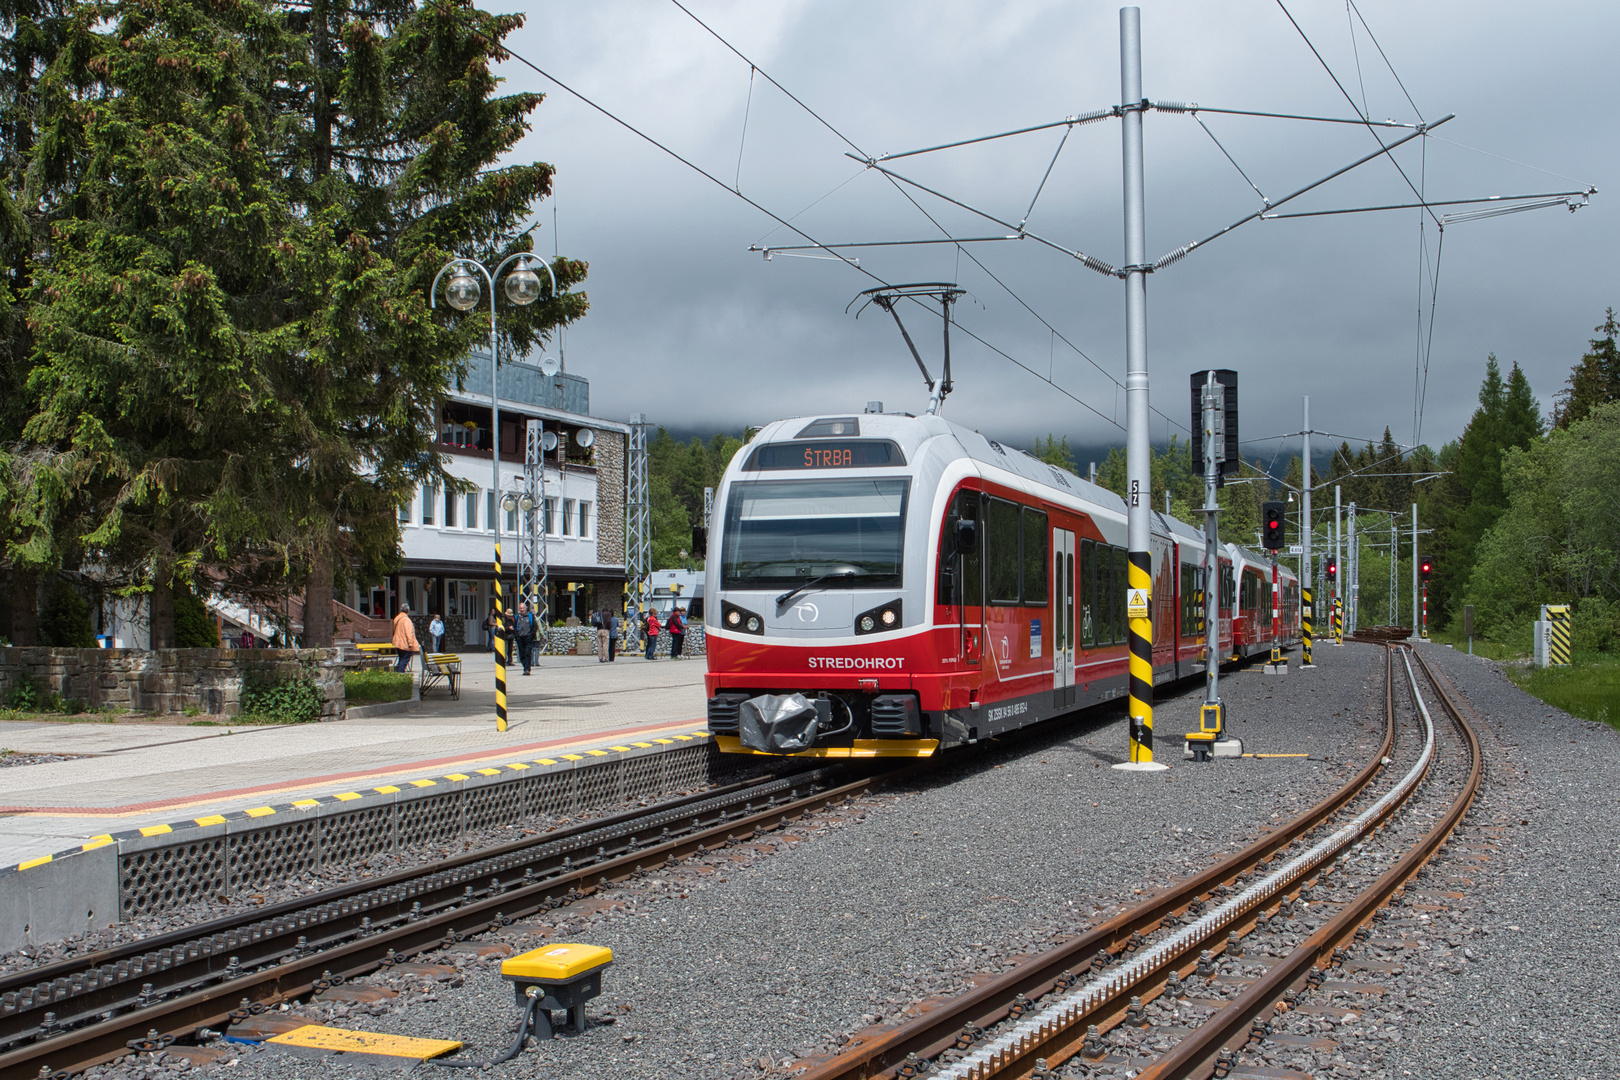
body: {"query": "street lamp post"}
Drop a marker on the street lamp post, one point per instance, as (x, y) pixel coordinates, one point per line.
(462, 293)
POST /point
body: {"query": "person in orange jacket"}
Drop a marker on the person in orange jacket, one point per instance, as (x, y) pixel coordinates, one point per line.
(405, 645)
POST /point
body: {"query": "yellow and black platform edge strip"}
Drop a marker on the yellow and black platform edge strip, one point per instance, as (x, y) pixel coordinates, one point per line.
(420, 787)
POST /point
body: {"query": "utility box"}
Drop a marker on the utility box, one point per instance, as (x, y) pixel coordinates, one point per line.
(562, 976)
(1541, 643)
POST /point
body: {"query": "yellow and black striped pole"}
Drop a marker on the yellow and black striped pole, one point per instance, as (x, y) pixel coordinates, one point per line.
(1559, 637)
(1305, 619)
(500, 647)
(1139, 610)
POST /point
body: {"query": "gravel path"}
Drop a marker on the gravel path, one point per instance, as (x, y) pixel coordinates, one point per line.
(735, 963)
(1519, 977)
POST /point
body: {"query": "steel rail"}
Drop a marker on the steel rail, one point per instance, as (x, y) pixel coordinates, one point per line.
(887, 1053)
(17, 981)
(44, 1001)
(294, 974)
(1196, 1055)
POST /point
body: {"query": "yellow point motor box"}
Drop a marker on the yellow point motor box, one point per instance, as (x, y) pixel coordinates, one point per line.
(563, 976)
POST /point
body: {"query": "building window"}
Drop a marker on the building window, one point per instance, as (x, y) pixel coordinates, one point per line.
(449, 508)
(427, 504)
(405, 512)
(584, 520)
(471, 505)
(550, 522)
(489, 511)
(511, 521)
(568, 517)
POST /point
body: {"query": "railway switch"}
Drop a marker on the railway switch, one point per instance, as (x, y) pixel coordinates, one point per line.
(562, 976)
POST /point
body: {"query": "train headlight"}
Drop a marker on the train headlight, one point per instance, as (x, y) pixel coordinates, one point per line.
(733, 617)
(878, 619)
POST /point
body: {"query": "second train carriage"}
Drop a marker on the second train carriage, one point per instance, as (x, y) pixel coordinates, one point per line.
(925, 587)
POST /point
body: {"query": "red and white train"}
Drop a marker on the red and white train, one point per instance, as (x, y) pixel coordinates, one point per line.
(924, 587)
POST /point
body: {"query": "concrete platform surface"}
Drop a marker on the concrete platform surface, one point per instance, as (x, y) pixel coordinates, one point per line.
(129, 775)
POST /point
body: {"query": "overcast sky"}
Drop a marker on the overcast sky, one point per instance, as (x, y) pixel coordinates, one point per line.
(690, 328)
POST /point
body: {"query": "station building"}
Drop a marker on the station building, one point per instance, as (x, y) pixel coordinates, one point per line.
(447, 536)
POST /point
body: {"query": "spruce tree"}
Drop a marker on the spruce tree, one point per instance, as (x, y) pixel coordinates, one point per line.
(1594, 380)
(395, 132)
(237, 369)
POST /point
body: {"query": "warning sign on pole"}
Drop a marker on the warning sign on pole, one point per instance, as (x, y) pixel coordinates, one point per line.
(1136, 604)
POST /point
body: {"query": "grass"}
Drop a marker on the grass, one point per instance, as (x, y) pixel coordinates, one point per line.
(1589, 688)
(1490, 650)
(375, 687)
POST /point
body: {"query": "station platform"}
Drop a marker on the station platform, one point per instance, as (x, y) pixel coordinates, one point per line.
(144, 774)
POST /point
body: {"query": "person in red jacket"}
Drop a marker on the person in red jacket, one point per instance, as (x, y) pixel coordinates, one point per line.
(677, 633)
(652, 629)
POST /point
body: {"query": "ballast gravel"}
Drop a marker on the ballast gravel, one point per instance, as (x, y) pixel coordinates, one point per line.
(1518, 978)
(740, 961)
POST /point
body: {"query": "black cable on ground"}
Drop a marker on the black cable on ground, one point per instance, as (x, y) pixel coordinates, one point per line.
(524, 1031)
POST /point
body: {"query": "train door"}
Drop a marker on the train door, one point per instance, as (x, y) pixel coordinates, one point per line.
(1063, 581)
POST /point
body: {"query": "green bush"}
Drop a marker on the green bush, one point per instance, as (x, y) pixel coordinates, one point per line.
(376, 686)
(25, 695)
(194, 628)
(65, 620)
(295, 701)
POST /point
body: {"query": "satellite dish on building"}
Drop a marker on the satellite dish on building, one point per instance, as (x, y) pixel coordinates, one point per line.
(585, 436)
(549, 365)
(549, 440)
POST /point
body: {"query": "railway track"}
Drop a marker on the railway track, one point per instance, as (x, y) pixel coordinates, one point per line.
(1175, 987)
(65, 1017)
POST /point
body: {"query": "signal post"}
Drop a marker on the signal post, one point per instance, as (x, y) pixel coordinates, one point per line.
(1215, 442)
(1271, 520)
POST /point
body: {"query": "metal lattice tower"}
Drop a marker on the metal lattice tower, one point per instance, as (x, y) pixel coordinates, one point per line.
(532, 570)
(1353, 578)
(638, 515)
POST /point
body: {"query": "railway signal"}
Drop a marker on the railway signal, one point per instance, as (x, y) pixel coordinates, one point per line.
(1332, 570)
(1424, 567)
(1271, 519)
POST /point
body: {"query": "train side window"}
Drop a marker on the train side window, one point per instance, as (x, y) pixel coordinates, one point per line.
(1001, 551)
(1122, 577)
(1105, 595)
(961, 577)
(1088, 593)
(1035, 534)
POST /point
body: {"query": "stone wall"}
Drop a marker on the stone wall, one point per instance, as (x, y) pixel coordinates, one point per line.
(610, 495)
(170, 680)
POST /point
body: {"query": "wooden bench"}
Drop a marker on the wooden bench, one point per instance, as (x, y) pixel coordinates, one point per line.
(375, 654)
(445, 666)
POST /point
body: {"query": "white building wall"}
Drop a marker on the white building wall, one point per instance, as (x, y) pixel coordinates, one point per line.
(464, 541)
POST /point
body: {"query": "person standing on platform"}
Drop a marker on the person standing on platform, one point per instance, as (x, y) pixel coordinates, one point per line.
(652, 629)
(405, 645)
(677, 633)
(525, 635)
(490, 626)
(615, 629)
(436, 632)
(602, 620)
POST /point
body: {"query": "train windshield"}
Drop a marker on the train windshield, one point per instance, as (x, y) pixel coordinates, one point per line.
(787, 532)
